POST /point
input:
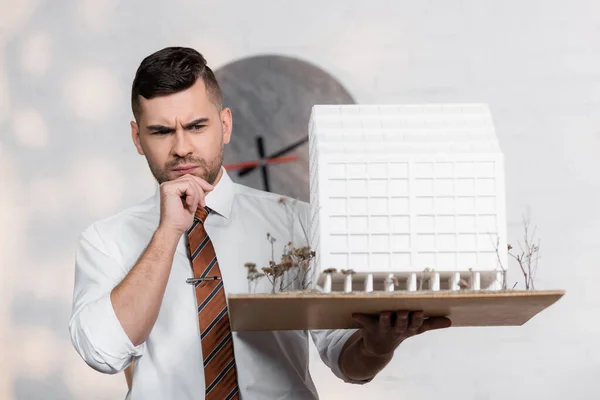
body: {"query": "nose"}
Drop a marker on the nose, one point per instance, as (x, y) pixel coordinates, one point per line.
(182, 145)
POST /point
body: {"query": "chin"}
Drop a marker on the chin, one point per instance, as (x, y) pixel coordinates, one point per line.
(198, 174)
(165, 176)
(201, 174)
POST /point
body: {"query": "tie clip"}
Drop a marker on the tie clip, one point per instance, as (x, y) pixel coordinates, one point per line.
(193, 281)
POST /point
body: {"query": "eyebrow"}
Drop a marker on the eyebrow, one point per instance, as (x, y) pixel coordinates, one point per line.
(162, 128)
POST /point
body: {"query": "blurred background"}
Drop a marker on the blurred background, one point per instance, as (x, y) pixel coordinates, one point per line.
(66, 159)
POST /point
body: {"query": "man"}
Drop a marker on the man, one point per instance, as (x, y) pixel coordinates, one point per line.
(151, 282)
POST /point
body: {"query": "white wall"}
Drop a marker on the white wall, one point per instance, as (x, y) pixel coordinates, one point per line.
(66, 160)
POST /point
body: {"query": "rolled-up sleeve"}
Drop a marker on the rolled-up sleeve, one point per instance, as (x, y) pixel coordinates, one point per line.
(329, 343)
(95, 331)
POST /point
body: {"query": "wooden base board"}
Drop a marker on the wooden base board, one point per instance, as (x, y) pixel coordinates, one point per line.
(313, 310)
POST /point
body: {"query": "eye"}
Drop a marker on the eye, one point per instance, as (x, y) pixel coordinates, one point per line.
(198, 127)
(160, 132)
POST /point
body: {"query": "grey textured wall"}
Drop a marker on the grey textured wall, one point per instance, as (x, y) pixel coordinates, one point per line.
(66, 159)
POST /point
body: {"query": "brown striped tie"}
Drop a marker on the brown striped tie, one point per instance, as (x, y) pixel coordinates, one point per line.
(215, 332)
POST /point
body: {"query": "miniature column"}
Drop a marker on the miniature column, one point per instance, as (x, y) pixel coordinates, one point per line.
(411, 282)
(434, 281)
(454, 281)
(327, 286)
(369, 283)
(348, 283)
(499, 282)
(475, 280)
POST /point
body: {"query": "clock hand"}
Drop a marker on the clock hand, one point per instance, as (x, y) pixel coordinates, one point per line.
(279, 153)
(263, 168)
(258, 163)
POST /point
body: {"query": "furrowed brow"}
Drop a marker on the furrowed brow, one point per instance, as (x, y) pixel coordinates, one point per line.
(160, 128)
(198, 121)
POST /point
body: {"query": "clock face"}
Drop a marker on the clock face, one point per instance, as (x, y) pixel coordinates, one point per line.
(271, 98)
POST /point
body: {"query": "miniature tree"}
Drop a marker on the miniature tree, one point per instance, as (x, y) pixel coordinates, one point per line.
(425, 272)
(529, 255)
(527, 259)
(253, 277)
(293, 267)
(391, 282)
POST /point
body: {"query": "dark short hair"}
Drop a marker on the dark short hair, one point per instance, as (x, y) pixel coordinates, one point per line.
(172, 70)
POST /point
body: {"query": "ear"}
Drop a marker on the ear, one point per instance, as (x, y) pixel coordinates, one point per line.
(227, 122)
(135, 135)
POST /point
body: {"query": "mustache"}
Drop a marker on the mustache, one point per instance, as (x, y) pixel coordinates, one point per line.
(186, 160)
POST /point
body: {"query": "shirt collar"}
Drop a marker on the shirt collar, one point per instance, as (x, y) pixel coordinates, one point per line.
(219, 200)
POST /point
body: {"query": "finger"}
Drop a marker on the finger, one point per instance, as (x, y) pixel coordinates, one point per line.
(207, 187)
(201, 195)
(385, 323)
(416, 320)
(190, 193)
(198, 190)
(401, 321)
(433, 323)
(190, 202)
(183, 189)
(367, 321)
(202, 186)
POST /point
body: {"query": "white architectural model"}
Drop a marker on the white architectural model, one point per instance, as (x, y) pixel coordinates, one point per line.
(409, 197)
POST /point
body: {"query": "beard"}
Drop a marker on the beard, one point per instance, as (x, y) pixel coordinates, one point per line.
(207, 170)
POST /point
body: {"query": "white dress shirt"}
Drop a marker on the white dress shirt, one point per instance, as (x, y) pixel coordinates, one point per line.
(168, 365)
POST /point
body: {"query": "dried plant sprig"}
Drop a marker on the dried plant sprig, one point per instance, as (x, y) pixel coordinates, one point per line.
(292, 259)
(302, 258)
(527, 259)
(272, 241)
(504, 277)
(529, 255)
(253, 276)
(308, 271)
(422, 281)
(294, 265)
(393, 280)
